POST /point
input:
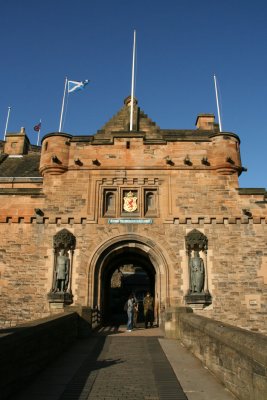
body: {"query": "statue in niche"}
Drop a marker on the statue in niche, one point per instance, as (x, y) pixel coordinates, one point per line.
(62, 272)
(116, 279)
(197, 273)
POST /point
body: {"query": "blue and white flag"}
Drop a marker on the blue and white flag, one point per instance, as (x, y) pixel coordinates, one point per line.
(75, 85)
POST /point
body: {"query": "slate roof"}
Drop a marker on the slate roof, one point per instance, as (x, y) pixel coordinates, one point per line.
(25, 166)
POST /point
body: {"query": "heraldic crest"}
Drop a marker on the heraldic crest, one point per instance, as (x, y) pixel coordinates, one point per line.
(130, 202)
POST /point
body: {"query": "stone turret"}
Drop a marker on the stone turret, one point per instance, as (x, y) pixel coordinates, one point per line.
(55, 153)
(225, 153)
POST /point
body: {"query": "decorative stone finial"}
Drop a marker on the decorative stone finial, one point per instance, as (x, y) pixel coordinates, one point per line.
(127, 101)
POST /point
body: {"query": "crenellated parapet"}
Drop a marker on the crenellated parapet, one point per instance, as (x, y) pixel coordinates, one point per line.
(83, 220)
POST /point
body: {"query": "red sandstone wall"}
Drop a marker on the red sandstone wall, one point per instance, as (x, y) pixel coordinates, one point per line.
(196, 196)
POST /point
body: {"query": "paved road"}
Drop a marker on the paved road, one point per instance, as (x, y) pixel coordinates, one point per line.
(120, 365)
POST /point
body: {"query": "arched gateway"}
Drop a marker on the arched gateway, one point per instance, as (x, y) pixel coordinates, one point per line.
(139, 264)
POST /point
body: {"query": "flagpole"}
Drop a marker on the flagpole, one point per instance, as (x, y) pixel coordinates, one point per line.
(132, 89)
(62, 107)
(7, 119)
(217, 101)
(38, 137)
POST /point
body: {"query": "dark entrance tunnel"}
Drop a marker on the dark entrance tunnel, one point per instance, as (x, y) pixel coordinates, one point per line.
(126, 271)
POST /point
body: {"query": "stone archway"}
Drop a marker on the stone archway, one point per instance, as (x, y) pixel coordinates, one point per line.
(141, 253)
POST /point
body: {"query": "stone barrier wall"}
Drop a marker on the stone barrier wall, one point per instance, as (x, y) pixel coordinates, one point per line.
(237, 357)
(26, 349)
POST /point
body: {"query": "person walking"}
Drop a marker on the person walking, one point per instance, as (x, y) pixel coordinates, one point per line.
(135, 313)
(148, 310)
(130, 309)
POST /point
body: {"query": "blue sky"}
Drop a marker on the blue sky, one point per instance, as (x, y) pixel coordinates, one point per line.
(180, 45)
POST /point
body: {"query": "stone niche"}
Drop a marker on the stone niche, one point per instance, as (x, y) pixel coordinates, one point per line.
(60, 294)
(198, 295)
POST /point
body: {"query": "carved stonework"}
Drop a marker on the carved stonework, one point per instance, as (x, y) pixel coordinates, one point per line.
(198, 292)
(196, 240)
(64, 243)
(64, 240)
(116, 279)
(200, 299)
(130, 202)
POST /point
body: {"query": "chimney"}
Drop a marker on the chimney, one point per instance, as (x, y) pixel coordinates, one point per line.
(16, 143)
(205, 122)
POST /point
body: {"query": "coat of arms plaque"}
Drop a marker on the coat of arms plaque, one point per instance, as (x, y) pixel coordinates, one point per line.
(130, 202)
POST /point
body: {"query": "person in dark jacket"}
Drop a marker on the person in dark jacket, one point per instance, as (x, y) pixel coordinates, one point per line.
(148, 310)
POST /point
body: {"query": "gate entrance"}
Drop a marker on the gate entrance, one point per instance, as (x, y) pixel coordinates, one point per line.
(128, 273)
(123, 265)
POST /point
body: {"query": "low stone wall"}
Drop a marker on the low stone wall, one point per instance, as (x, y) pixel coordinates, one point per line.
(238, 358)
(26, 349)
(88, 321)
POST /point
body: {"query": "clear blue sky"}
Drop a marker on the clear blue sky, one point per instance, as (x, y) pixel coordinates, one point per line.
(180, 45)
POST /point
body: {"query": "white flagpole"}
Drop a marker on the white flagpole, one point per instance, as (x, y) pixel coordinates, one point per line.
(39, 131)
(62, 107)
(132, 90)
(217, 101)
(7, 119)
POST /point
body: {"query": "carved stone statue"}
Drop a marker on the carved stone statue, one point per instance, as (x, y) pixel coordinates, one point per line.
(116, 279)
(197, 273)
(62, 272)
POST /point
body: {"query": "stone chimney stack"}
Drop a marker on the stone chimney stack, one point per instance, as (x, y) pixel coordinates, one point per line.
(17, 143)
(205, 122)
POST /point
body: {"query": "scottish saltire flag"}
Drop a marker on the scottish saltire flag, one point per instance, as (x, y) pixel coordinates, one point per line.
(76, 85)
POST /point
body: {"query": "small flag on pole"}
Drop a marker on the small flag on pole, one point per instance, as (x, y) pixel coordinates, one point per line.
(76, 85)
(37, 127)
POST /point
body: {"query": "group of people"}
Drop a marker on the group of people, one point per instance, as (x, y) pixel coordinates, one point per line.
(132, 308)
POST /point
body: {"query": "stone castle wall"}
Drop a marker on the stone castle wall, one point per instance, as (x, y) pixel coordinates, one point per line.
(192, 181)
(236, 261)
